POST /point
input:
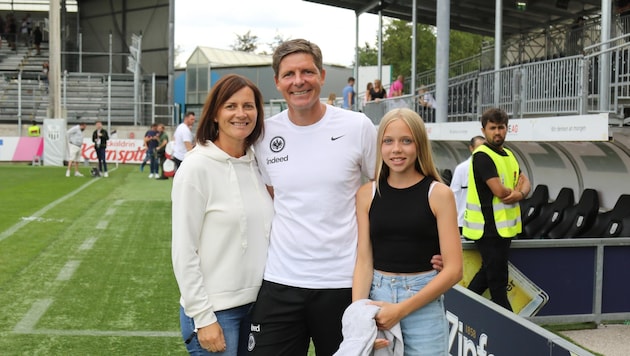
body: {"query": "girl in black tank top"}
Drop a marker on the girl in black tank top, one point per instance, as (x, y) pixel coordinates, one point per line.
(403, 220)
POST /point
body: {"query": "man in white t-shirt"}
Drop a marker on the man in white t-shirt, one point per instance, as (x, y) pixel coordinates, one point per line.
(459, 183)
(183, 138)
(312, 158)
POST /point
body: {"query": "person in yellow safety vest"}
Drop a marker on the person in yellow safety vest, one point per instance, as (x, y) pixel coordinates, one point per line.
(34, 130)
(493, 215)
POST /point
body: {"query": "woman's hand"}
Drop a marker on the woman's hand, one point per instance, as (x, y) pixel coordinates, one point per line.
(211, 338)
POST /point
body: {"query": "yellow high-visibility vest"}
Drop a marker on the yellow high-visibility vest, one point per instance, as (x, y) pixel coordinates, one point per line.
(507, 217)
(33, 131)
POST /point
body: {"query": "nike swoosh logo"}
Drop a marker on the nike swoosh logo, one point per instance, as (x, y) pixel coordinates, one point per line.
(332, 138)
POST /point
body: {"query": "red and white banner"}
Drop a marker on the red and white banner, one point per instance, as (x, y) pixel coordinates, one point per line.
(23, 149)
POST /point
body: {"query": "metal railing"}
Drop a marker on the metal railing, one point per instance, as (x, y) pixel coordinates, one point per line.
(24, 97)
(554, 87)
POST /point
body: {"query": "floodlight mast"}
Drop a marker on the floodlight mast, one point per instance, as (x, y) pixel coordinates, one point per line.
(54, 62)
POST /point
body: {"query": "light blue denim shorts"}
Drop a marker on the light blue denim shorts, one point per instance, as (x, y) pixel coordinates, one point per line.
(425, 331)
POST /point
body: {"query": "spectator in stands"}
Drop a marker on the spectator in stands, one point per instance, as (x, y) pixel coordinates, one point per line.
(34, 130)
(183, 139)
(459, 184)
(44, 75)
(493, 215)
(575, 38)
(378, 92)
(368, 92)
(75, 142)
(397, 87)
(161, 149)
(426, 104)
(24, 35)
(38, 37)
(100, 138)
(3, 27)
(349, 95)
(622, 7)
(11, 32)
(331, 99)
(221, 221)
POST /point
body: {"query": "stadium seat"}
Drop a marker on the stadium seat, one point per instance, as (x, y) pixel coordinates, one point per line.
(530, 207)
(549, 215)
(577, 218)
(611, 223)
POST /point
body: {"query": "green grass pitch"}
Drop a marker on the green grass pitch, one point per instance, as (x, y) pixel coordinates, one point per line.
(85, 264)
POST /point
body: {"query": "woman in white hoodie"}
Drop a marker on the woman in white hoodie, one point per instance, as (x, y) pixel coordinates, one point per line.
(221, 221)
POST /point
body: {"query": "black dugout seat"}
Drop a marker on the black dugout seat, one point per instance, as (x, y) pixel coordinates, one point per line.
(578, 218)
(550, 214)
(530, 207)
(611, 223)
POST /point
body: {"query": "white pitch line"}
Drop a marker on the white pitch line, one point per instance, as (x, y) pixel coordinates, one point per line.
(31, 318)
(88, 244)
(110, 211)
(10, 231)
(130, 333)
(102, 225)
(67, 271)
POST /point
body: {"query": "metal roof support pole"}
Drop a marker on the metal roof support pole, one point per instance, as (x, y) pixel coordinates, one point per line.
(604, 58)
(380, 43)
(54, 70)
(414, 14)
(442, 59)
(171, 52)
(498, 38)
(355, 107)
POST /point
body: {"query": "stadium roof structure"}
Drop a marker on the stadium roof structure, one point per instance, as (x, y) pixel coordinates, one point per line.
(477, 16)
(218, 58)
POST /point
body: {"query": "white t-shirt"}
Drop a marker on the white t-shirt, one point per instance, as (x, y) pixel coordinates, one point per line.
(182, 134)
(459, 186)
(315, 172)
(430, 100)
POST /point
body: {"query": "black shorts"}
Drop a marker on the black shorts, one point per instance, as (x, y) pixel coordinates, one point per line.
(285, 318)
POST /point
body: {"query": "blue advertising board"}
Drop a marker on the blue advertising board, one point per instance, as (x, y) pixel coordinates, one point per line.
(478, 327)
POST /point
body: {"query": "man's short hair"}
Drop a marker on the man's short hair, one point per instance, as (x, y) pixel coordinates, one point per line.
(296, 46)
(494, 115)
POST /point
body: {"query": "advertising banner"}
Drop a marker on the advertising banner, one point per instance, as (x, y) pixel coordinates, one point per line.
(525, 297)
(478, 327)
(53, 145)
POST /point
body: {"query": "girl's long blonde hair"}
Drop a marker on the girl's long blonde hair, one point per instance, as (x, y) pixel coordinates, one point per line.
(424, 163)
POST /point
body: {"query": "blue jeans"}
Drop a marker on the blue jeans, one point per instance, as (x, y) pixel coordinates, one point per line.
(153, 160)
(102, 163)
(235, 323)
(425, 331)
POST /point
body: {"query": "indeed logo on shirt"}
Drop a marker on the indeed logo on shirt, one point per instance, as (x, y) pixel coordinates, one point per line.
(277, 159)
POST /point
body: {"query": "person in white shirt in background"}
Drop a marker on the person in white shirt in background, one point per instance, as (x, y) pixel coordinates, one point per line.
(183, 139)
(459, 183)
(75, 141)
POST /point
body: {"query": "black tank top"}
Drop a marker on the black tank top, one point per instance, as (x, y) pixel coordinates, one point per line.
(403, 229)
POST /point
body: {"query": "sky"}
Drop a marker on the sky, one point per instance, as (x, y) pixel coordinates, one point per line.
(218, 23)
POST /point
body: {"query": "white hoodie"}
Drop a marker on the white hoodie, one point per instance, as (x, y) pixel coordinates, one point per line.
(221, 221)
